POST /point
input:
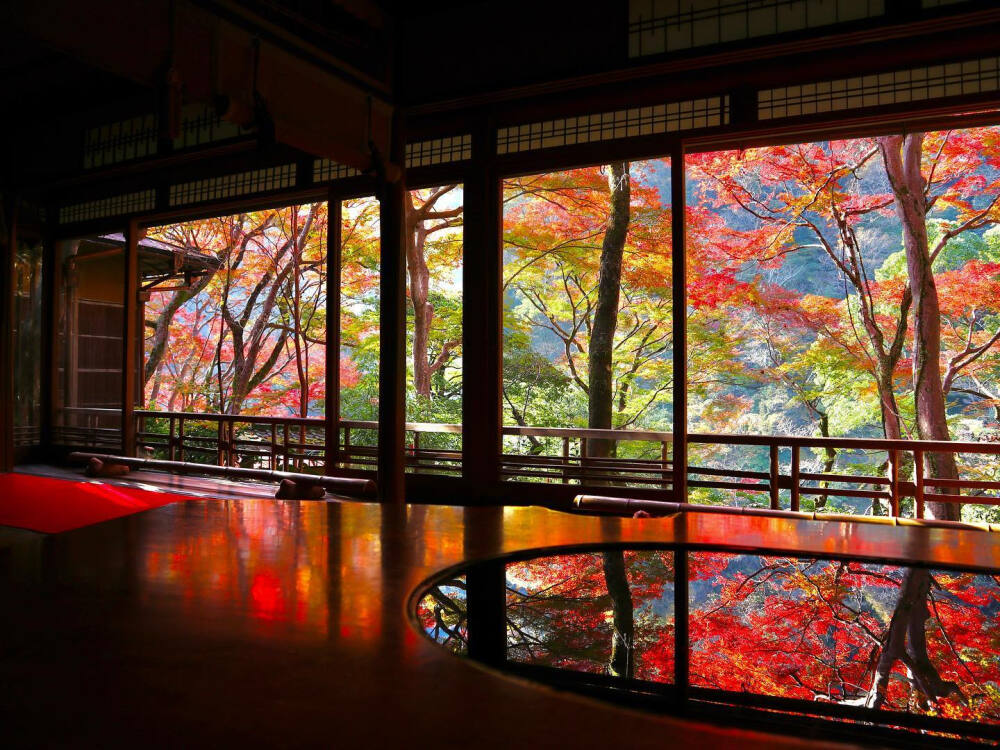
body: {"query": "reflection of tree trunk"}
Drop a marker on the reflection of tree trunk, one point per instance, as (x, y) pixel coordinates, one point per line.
(623, 635)
(605, 320)
(906, 641)
(902, 158)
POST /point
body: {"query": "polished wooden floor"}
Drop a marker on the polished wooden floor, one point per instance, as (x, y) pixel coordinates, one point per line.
(279, 623)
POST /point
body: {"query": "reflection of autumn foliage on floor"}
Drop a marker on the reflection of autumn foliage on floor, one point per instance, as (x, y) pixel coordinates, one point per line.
(871, 635)
(444, 616)
(572, 612)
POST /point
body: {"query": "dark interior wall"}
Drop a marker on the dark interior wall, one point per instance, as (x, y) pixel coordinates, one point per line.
(458, 49)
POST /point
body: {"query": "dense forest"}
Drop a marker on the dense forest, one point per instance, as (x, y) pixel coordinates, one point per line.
(838, 288)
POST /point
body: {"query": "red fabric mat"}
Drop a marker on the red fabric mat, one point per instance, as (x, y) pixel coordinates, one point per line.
(54, 505)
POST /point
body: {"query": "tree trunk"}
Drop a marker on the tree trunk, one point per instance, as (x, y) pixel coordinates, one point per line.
(902, 156)
(622, 662)
(605, 321)
(161, 326)
(830, 457)
(423, 311)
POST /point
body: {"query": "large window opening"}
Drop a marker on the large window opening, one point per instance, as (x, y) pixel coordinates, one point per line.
(235, 333)
(846, 288)
(587, 337)
(359, 332)
(434, 256)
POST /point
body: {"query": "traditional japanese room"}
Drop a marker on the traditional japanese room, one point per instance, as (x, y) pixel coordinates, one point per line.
(657, 340)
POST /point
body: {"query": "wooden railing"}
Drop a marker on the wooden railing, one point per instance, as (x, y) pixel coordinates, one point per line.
(573, 465)
(284, 443)
(92, 427)
(559, 455)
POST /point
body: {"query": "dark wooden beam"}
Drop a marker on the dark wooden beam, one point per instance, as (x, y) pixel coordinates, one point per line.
(51, 289)
(130, 346)
(482, 300)
(678, 202)
(392, 324)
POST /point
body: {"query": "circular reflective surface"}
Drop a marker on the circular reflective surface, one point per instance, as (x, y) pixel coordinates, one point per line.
(851, 649)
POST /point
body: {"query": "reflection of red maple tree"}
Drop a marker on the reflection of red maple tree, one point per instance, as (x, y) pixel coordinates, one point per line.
(871, 635)
(603, 612)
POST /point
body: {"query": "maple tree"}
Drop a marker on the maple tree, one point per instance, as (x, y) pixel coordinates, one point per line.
(802, 314)
(837, 204)
(880, 636)
(433, 251)
(252, 335)
(587, 288)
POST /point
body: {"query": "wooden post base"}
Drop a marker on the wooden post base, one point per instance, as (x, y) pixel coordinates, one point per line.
(98, 468)
(289, 489)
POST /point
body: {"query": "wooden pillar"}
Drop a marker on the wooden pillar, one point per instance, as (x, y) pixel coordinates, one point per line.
(678, 202)
(482, 314)
(7, 337)
(130, 354)
(333, 277)
(51, 281)
(392, 323)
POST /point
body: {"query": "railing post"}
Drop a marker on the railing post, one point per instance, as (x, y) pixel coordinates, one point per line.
(220, 442)
(171, 445)
(583, 459)
(416, 449)
(775, 468)
(347, 444)
(565, 455)
(796, 458)
(284, 438)
(894, 483)
(274, 446)
(664, 461)
(180, 439)
(918, 475)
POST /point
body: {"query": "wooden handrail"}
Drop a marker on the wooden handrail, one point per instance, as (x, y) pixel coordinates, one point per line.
(783, 441)
(630, 506)
(338, 485)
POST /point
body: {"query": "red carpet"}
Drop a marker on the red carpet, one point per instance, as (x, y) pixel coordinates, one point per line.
(54, 505)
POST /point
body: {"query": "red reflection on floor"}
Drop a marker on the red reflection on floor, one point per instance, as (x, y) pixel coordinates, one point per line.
(54, 505)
